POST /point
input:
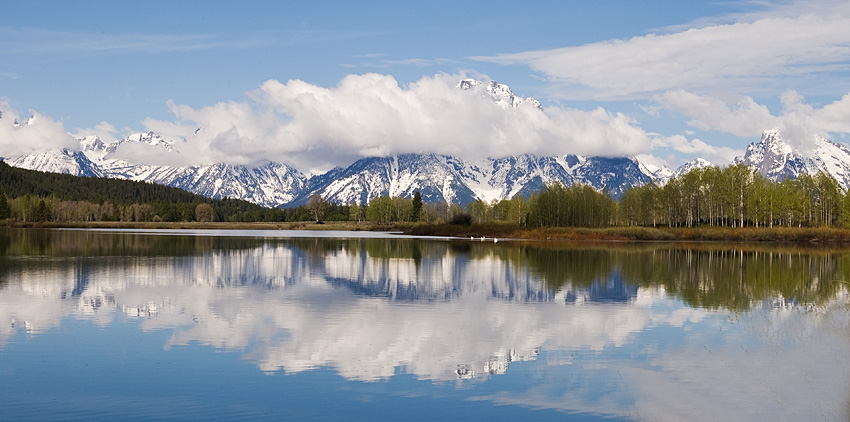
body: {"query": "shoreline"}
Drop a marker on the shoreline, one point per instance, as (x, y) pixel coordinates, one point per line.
(499, 231)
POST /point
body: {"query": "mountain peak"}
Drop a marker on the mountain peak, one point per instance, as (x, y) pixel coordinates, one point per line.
(776, 158)
(92, 143)
(696, 163)
(500, 93)
(773, 142)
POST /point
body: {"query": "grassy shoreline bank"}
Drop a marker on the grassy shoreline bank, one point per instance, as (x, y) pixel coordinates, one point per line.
(192, 225)
(713, 234)
(502, 231)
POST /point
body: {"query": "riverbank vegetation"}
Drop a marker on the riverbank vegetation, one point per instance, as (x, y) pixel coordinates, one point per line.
(731, 204)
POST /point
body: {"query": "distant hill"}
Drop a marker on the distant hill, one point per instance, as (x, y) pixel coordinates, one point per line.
(17, 182)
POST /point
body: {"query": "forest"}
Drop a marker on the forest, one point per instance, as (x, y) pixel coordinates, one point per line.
(734, 196)
(33, 196)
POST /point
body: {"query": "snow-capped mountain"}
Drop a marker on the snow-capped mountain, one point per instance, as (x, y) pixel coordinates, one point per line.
(612, 174)
(58, 161)
(452, 179)
(436, 177)
(696, 163)
(271, 184)
(775, 158)
(500, 93)
(400, 175)
(53, 160)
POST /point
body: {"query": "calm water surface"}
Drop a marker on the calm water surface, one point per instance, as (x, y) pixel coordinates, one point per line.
(337, 326)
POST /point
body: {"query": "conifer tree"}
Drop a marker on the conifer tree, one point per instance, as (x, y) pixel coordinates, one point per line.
(5, 211)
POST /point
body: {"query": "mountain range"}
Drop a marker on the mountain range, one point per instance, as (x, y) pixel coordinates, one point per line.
(436, 177)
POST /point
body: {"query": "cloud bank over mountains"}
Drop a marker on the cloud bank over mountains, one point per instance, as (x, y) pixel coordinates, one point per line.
(316, 128)
(744, 117)
(737, 75)
(19, 138)
(708, 71)
(373, 115)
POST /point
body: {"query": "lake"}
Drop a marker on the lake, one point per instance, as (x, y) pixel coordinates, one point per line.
(253, 325)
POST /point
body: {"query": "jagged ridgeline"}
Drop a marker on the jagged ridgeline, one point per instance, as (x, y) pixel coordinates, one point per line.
(35, 194)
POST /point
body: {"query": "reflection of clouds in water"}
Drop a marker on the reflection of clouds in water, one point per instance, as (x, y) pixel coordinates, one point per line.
(276, 307)
(795, 361)
(770, 364)
(306, 326)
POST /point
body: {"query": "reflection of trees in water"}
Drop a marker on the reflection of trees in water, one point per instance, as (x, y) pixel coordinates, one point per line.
(737, 277)
(702, 274)
(55, 242)
(85, 250)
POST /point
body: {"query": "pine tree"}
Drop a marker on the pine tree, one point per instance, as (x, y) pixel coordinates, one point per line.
(417, 207)
(5, 211)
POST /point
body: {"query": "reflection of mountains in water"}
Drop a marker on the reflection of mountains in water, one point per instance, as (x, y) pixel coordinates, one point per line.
(423, 270)
(599, 291)
(613, 289)
(439, 309)
(441, 271)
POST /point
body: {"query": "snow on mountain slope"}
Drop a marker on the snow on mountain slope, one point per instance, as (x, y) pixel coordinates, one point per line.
(504, 178)
(436, 177)
(611, 174)
(400, 175)
(444, 178)
(696, 163)
(661, 174)
(58, 161)
(500, 93)
(270, 185)
(775, 158)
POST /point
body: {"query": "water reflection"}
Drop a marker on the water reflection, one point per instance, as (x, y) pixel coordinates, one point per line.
(654, 331)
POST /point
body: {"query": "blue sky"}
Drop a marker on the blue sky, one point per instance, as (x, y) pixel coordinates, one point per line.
(663, 80)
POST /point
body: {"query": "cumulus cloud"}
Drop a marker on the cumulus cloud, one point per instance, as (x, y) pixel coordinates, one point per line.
(103, 130)
(697, 147)
(24, 135)
(742, 55)
(740, 117)
(743, 116)
(314, 127)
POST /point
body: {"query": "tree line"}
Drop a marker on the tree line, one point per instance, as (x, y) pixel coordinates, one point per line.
(34, 196)
(734, 196)
(555, 205)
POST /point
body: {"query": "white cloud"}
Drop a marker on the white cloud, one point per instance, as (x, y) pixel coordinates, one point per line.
(744, 55)
(34, 133)
(314, 127)
(743, 117)
(654, 162)
(799, 121)
(765, 364)
(103, 130)
(697, 147)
